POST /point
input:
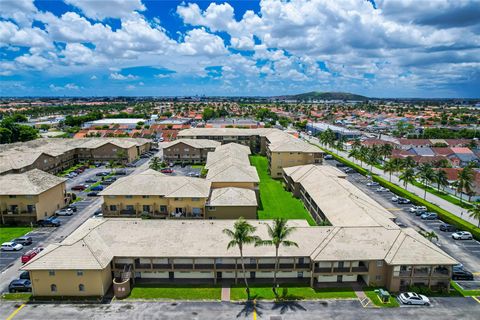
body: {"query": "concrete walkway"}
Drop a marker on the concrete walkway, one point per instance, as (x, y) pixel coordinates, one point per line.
(362, 297)
(444, 204)
(226, 292)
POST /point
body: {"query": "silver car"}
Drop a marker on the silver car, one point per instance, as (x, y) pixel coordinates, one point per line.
(413, 298)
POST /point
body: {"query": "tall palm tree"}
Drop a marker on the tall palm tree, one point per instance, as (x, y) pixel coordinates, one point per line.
(242, 234)
(386, 150)
(441, 178)
(278, 234)
(409, 163)
(426, 175)
(408, 176)
(354, 153)
(372, 156)
(362, 154)
(389, 167)
(465, 181)
(356, 144)
(475, 213)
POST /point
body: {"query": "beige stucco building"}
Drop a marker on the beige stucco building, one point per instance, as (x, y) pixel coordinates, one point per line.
(196, 250)
(188, 150)
(30, 196)
(281, 148)
(54, 155)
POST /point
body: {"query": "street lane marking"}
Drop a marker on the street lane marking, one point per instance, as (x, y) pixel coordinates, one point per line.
(10, 317)
(254, 311)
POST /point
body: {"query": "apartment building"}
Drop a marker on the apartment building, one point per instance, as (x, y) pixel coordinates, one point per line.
(188, 150)
(55, 155)
(30, 196)
(119, 252)
(229, 166)
(281, 148)
(158, 195)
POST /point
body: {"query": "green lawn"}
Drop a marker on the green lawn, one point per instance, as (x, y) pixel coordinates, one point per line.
(372, 295)
(291, 292)
(16, 296)
(197, 166)
(465, 293)
(185, 292)
(275, 201)
(9, 233)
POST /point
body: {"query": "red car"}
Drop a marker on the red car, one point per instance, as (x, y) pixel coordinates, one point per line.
(30, 254)
(80, 187)
(166, 170)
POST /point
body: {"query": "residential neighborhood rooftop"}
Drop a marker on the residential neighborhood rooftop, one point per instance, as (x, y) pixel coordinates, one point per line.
(32, 182)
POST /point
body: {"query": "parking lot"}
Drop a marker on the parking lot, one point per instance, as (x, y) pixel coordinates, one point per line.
(467, 252)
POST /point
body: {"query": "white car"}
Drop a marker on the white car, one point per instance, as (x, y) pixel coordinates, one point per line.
(395, 198)
(11, 246)
(462, 235)
(381, 189)
(64, 212)
(372, 184)
(413, 298)
(416, 209)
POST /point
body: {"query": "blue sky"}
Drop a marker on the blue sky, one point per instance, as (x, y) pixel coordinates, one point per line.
(164, 48)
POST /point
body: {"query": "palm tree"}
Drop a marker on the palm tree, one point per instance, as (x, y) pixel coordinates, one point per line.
(356, 144)
(465, 180)
(389, 167)
(278, 234)
(408, 176)
(409, 163)
(426, 174)
(431, 235)
(372, 156)
(155, 163)
(242, 234)
(386, 150)
(441, 178)
(362, 154)
(475, 213)
(354, 153)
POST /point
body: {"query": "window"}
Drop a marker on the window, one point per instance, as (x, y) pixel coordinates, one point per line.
(12, 196)
(145, 197)
(51, 273)
(163, 208)
(378, 277)
(146, 208)
(79, 273)
(379, 263)
(113, 207)
(212, 208)
(129, 197)
(177, 199)
(129, 208)
(111, 197)
(81, 287)
(195, 199)
(53, 287)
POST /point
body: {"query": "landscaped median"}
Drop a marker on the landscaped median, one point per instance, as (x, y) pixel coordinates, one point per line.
(175, 292)
(291, 292)
(443, 214)
(463, 292)
(373, 296)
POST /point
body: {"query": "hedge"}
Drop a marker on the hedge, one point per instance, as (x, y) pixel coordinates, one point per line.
(443, 214)
(354, 166)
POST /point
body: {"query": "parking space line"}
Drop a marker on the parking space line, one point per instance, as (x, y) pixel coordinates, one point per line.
(10, 317)
(476, 299)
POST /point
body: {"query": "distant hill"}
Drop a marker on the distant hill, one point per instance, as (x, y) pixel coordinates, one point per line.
(315, 95)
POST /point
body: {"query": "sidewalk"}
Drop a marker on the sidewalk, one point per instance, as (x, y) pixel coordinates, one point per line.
(226, 292)
(444, 204)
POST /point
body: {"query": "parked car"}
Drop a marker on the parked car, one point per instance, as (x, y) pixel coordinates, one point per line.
(348, 170)
(102, 174)
(29, 255)
(416, 209)
(328, 157)
(121, 173)
(24, 275)
(171, 164)
(372, 184)
(429, 216)
(462, 235)
(193, 174)
(11, 246)
(144, 156)
(20, 285)
(64, 212)
(130, 165)
(166, 170)
(395, 198)
(92, 194)
(413, 298)
(24, 241)
(381, 189)
(97, 188)
(403, 201)
(72, 207)
(80, 187)
(97, 212)
(49, 222)
(106, 182)
(461, 274)
(340, 165)
(91, 180)
(401, 224)
(447, 227)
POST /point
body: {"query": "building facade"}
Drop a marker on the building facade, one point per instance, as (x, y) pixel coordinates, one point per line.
(188, 150)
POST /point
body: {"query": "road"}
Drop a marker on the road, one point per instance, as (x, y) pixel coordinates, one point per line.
(441, 308)
(444, 204)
